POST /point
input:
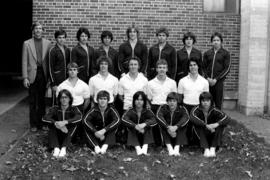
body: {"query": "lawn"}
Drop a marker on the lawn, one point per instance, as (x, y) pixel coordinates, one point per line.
(242, 156)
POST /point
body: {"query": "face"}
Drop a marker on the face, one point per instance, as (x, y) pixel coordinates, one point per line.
(133, 34)
(64, 100)
(206, 103)
(216, 42)
(83, 38)
(107, 41)
(162, 37)
(162, 69)
(133, 66)
(193, 67)
(72, 72)
(38, 31)
(139, 102)
(172, 103)
(104, 66)
(103, 102)
(189, 42)
(61, 40)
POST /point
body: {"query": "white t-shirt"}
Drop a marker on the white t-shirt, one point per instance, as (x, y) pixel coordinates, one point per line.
(128, 87)
(98, 83)
(157, 90)
(79, 92)
(192, 89)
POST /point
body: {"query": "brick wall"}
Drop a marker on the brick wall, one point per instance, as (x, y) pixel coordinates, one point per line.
(179, 16)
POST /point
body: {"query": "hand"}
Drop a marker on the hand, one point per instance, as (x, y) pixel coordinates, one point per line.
(214, 81)
(214, 125)
(62, 123)
(26, 83)
(54, 88)
(209, 127)
(123, 74)
(139, 128)
(64, 129)
(100, 134)
(172, 132)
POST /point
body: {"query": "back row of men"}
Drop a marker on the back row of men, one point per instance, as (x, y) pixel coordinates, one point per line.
(42, 61)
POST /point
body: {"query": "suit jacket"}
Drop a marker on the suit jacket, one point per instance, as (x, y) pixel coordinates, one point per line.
(29, 59)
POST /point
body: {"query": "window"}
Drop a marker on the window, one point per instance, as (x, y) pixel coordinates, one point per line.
(223, 6)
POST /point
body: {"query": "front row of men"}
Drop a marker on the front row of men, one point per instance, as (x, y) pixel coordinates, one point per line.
(102, 120)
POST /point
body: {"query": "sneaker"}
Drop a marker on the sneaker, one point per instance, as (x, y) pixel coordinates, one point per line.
(206, 152)
(63, 152)
(56, 152)
(212, 152)
(138, 150)
(176, 150)
(104, 148)
(97, 149)
(33, 129)
(170, 149)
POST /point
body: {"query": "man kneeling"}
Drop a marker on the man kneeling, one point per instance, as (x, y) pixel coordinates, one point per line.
(100, 124)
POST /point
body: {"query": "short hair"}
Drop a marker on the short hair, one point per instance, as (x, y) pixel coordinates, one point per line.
(102, 94)
(162, 30)
(82, 30)
(161, 62)
(218, 35)
(37, 23)
(72, 65)
(193, 59)
(189, 35)
(59, 33)
(172, 95)
(137, 95)
(129, 29)
(134, 58)
(106, 34)
(67, 93)
(103, 59)
(206, 96)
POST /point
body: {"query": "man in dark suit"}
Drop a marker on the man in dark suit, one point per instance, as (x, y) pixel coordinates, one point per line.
(34, 72)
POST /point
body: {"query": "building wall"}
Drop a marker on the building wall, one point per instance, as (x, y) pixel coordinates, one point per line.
(179, 16)
(254, 57)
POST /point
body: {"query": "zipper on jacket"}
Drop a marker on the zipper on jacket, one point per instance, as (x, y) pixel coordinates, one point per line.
(214, 59)
(172, 113)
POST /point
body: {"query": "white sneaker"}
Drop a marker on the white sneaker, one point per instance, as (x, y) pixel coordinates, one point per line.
(144, 149)
(170, 149)
(63, 152)
(97, 150)
(176, 150)
(104, 148)
(206, 152)
(212, 152)
(138, 150)
(56, 152)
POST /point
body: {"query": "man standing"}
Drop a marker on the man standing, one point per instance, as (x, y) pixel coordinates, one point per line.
(34, 72)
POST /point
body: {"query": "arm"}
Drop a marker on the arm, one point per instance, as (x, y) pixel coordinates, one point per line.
(26, 82)
(76, 116)
(160, 117)
(126, 119)
(87, 121)
(121, 59)
(205, 64)
(51, 66)
(115, 120)
(144, 58)
(184, 118)
(51, 116)
(222, 118)
(227, 66)
(195, 119)
(174, 63)
(150, 119)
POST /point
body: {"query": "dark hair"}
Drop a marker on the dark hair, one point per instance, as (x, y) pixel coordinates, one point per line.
(106, 34)
(134, 58)
(162, 30)
(137, 95)
(187, 35)
(206, 96)
(218, 35)
(103, 93)
(129, 29)
(82, 30)
(37, 23)
(60, 32)
(72, 65)
(161, 62)
(66, 92)
(103, 59)
(193, 59)
(172, 95)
